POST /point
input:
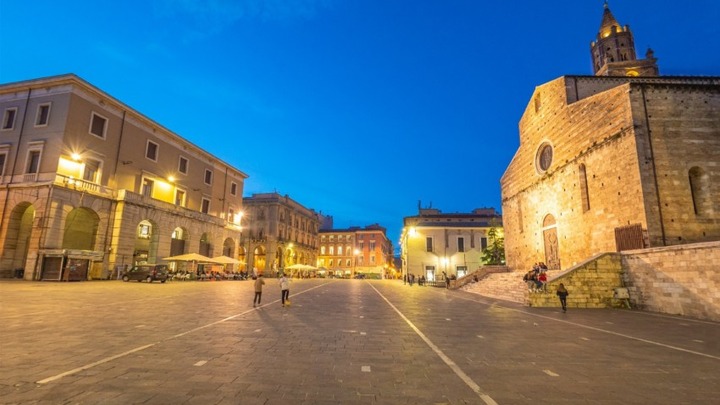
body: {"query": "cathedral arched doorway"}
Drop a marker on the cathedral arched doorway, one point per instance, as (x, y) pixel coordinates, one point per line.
(259, 258)
(550, 241)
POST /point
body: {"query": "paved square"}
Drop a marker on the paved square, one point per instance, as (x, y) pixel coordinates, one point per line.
(341, 342)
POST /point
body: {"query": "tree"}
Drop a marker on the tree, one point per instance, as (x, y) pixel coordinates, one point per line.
(494, 253)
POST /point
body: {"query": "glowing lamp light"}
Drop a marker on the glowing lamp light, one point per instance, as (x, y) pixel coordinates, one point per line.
(76, 157)
(171, 179)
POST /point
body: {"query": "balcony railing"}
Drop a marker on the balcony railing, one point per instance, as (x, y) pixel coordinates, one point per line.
(82, 185)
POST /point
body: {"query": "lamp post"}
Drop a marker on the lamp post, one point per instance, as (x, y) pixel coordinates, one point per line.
(356, 252)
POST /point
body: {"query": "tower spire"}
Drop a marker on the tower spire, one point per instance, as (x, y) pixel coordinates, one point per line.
(613, 51)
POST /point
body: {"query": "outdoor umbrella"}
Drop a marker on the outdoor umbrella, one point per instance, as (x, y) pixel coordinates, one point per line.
(226, 260)
(191, 257)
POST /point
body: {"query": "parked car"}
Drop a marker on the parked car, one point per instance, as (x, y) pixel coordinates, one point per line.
(148, 272)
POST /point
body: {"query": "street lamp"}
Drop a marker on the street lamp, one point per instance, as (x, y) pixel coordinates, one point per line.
(356, 252)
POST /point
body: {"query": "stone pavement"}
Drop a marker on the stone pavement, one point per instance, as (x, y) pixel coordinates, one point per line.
(341, 342)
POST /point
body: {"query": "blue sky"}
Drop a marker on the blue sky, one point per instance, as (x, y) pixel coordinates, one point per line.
(355, 108)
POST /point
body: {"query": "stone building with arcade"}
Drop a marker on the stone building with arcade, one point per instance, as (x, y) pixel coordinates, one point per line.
(278, 232)
(88, 185)
(625, 159)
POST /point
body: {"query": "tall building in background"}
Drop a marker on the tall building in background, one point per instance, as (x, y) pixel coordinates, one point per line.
(278, 232)
(355, 251)
(434, 244)
(612, 163)
(89, 184)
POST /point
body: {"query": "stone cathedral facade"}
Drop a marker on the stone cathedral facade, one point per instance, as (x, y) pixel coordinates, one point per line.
(621, 160)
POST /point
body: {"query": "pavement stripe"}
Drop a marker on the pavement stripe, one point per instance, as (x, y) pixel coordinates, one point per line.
(137, 349)
(597, 329)
(455, 368)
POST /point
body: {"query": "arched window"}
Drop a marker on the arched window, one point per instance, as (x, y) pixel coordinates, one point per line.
(584, 196)
(699, 190)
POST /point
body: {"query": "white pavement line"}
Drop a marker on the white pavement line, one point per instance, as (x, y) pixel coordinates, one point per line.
(200, 363)
(550, 373)
(137, 349)
(601, 330)
(97, 363)
(365, 369)
(454, 367)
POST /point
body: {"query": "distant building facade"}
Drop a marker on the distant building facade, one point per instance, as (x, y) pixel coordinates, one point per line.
(89, 184)
(356, 251)
(278, 232)
(611, 163)
(434, 244)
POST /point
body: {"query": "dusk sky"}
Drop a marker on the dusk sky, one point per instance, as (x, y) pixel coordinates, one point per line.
(355, 108)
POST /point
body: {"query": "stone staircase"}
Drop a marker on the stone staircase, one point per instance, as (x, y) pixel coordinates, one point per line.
(506, 286)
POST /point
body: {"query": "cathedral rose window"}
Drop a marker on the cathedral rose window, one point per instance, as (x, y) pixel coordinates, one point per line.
(544, 157)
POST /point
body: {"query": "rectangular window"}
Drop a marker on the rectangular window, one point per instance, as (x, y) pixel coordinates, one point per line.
(233, 188)
(483, 243)
(231, 215)
(331, 262)
(461, 244)
(98, 125)
(461, 271)
(430, 273)
(147, 187)
(9, 118)
(322, 250)
(151, 151)
(180, 197)
(92, 168)
(372, 246)
(332, 250)
(183, 165)
(33, 162)
(208, 177)
(43, 115)
(372, 259)
(205, 206)
(3, 159)
(339, 250)
(428, 244)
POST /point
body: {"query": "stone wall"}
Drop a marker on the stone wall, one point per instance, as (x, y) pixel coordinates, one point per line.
(678, 280)
(591, 284)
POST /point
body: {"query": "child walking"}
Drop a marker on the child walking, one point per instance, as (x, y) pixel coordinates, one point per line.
(562, 293)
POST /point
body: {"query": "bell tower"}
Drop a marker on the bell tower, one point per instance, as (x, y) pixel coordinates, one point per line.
(613, 51)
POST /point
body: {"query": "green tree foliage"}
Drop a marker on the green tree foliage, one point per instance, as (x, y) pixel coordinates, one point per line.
(494, 253)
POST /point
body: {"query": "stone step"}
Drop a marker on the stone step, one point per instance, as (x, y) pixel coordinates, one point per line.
(506, 286)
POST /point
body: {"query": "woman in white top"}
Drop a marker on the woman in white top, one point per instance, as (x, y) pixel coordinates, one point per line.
(285, 289)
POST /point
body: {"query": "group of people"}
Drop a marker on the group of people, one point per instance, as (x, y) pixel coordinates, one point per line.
(536, 280)
(284, 289)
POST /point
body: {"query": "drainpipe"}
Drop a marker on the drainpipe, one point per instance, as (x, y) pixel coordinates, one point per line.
(654, 168)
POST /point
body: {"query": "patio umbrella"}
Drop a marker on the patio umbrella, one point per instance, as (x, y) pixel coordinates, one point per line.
(226, 260)
(191, 257)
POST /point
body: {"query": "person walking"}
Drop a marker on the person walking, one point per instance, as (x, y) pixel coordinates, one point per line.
(284, 289)
(259, 282)
(562, 293)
